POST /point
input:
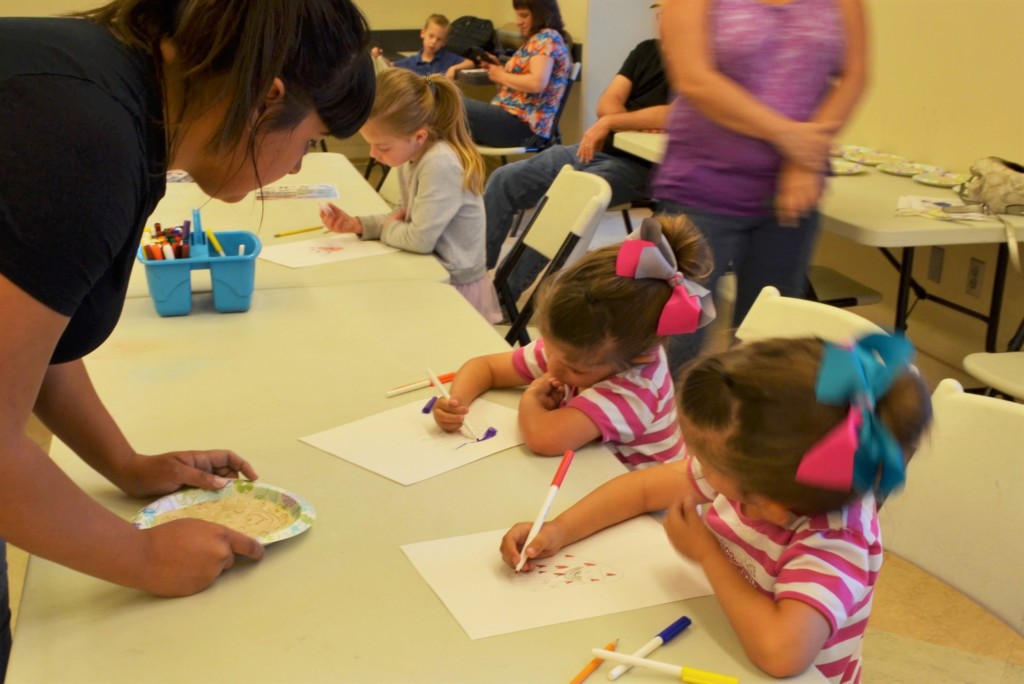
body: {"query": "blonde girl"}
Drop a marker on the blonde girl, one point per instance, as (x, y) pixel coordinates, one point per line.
(791, 445)
(417, 124)
(599, 371)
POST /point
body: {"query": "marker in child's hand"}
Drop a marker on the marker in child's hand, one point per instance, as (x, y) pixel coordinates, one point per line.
(444, 393)
(556, 482)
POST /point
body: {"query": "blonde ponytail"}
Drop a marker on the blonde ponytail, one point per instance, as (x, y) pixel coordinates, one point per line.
(407, 102)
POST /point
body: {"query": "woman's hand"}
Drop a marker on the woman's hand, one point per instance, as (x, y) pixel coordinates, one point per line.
(338, 221)
(450, 413)
(495, 72)
(547, 543)
(183, 557)
(399, 214)
(146, 476)
(548, 392)
(687, 532)
(807, 143)
(797, 193)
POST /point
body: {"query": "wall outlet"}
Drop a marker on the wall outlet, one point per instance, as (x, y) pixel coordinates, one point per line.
(935, 260)
(975, 276)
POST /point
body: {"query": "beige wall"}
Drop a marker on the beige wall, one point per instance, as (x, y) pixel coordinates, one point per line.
(945, 89)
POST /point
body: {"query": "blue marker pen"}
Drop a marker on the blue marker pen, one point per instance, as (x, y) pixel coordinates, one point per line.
(664, 636)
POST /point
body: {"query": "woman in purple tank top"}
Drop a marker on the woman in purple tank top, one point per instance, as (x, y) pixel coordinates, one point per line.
(764, 86)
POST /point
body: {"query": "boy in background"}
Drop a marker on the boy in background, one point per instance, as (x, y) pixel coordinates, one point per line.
(433, 58)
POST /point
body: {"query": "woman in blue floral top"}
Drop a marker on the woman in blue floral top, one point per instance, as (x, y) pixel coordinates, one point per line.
(530, 85)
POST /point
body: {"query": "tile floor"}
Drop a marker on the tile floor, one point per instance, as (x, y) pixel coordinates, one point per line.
(922, 631)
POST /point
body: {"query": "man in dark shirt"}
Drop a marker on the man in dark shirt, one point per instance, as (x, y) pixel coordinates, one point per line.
(636, 99)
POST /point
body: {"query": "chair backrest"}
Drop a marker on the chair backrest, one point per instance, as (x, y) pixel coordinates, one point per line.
(574, 76)
(773, 315)
(961, 515)
(389, 189)
(561, 230)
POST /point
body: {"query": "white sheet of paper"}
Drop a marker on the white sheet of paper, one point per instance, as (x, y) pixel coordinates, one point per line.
(405, 445)
(324, 250)
(628, 566)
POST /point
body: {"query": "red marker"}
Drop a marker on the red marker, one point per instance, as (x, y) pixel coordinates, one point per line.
(556, 482)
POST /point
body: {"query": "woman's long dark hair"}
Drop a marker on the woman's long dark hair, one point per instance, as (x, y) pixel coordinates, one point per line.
(232, 50)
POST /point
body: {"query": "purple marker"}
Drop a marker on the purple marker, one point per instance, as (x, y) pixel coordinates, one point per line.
(430, 405)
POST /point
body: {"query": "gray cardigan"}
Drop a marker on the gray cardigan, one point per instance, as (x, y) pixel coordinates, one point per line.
(441, 216)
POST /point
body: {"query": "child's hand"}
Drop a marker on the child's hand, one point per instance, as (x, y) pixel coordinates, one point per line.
(449, 414)
(338, 221)
(687, 532)
(546, 391)
(376, 52)
(547, 543)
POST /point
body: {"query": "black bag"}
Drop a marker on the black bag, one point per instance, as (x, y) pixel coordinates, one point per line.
(466, 33)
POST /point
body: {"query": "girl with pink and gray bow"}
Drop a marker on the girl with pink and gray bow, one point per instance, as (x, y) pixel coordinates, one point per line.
(599, 371)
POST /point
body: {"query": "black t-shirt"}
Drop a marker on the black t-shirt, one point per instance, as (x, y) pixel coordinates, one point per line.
(644, 69)
(82, 166)
(646, 73)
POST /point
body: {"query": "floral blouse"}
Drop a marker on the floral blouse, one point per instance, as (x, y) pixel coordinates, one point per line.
(537, 109)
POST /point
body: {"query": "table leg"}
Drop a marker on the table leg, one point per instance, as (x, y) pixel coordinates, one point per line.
(996, 306)
(903, 291)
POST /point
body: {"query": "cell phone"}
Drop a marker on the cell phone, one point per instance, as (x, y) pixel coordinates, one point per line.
(482, 57)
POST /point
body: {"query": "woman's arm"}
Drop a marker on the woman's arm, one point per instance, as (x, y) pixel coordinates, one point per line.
(534, 79)
(849, 86)
(692, 72)
(43, 512)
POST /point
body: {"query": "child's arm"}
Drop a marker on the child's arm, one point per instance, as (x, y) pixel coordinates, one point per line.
(781, 637)
(336, 220)
(475, 377)
(438, 198)
(622, 498)
(549, 429)
(453, 70)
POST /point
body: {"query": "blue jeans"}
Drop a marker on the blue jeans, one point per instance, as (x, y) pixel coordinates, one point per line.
(491, 125)
(520, 185)
(5, 613)
(758, 250)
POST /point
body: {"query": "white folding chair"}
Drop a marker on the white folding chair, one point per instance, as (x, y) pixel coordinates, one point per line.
(389, 189)
(560, 230)
(961, 515)
(773, 315)
(1001, 371)
(556, 136)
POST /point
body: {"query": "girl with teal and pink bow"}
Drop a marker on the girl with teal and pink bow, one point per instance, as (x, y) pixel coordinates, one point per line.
(791, 446)
(599, 371)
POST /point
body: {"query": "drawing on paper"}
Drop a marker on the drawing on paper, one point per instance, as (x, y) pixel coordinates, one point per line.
(566, 569)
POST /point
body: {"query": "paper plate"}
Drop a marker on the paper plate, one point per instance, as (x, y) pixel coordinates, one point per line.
(941, 179)
(844, 167)
(866, 155)
(260, 510)
(905, 168)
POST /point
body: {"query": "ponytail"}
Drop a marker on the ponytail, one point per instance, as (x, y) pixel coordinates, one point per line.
(407, 102)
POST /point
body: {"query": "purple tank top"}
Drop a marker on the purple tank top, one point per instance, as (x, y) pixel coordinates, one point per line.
(785, 56)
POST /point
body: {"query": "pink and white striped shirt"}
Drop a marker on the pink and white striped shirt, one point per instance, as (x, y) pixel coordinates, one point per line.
(829, 561)
(635, 410)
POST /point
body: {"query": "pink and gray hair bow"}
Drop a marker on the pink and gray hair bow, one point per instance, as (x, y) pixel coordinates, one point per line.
(647, 254)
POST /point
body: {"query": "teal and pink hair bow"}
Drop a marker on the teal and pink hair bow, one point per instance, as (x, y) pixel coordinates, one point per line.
(647, 254)
(860, 449)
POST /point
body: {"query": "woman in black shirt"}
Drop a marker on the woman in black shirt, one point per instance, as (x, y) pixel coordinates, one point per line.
(93, 112)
